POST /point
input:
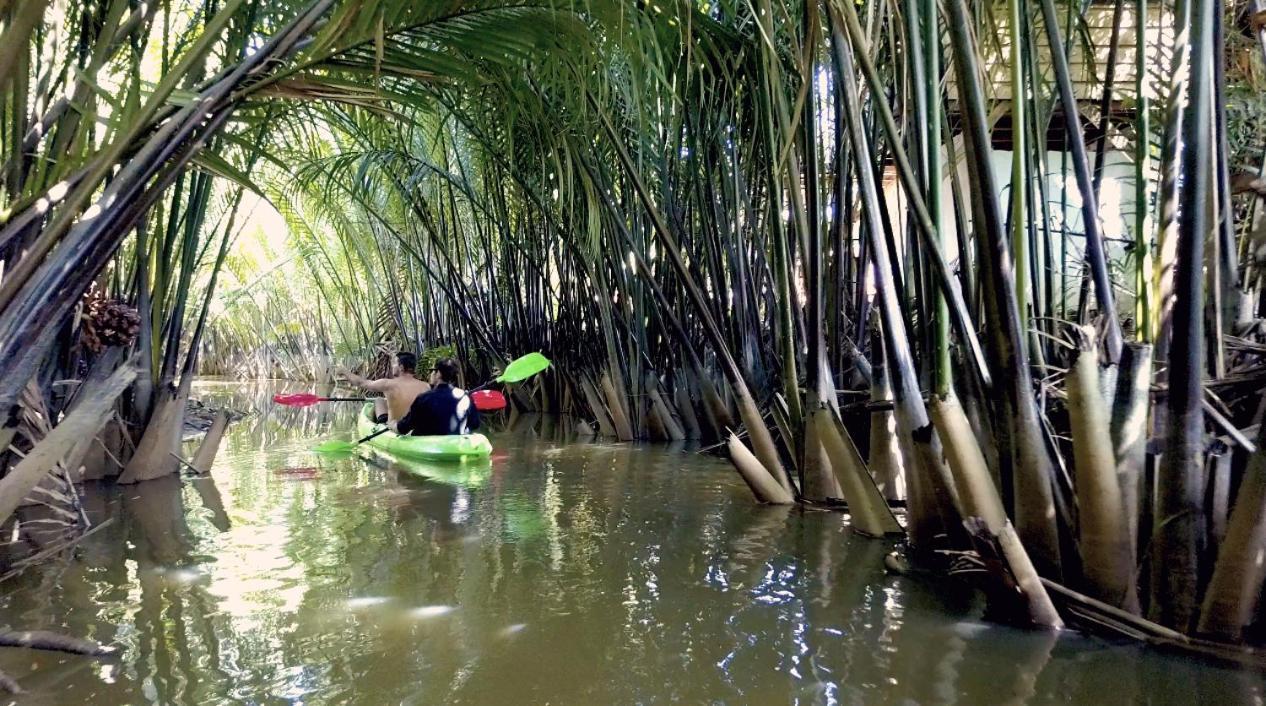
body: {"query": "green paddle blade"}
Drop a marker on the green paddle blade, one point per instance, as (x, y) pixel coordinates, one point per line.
(524, 368)
(334, 446)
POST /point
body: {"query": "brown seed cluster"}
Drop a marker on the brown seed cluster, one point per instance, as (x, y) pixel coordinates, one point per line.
(109, 322)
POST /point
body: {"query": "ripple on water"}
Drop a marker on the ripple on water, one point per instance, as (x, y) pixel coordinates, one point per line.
(366, 602)
(430, 611)
(511, 630)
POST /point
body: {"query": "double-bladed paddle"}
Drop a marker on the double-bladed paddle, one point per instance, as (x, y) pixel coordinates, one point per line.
(307, 399)
(485, 400)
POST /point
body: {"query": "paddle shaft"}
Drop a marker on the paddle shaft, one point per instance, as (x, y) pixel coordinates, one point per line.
(335, 446)
(380, 432)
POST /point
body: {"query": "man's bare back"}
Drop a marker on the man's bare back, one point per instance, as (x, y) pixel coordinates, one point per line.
(400, 390)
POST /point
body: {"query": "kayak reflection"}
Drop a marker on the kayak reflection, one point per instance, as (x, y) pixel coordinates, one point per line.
(470, 473)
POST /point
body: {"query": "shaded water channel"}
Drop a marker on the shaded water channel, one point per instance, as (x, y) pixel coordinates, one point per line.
(560, 573)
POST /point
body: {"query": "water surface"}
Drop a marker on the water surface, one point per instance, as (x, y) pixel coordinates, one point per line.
(559, 573)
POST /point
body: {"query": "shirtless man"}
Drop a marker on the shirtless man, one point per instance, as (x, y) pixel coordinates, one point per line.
(399, 390)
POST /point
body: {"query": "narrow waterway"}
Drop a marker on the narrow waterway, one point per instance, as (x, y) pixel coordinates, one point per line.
(559, 573)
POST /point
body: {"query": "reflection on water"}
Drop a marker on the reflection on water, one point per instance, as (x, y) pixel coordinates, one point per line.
(563, 574)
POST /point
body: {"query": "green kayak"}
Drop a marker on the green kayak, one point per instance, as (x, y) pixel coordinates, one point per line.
(425, 448)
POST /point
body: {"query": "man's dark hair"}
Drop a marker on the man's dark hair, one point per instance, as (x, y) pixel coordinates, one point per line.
(447, 368)
(408, 362)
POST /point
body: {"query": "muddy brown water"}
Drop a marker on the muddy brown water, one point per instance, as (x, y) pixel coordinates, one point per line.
(559, 573)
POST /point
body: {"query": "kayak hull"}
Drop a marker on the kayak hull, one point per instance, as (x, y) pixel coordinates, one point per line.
(423, 448)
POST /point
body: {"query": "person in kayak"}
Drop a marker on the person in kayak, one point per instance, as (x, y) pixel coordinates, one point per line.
(444, 410)
(399, 391)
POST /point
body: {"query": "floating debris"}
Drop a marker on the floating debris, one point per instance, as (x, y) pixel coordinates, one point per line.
(200, 416)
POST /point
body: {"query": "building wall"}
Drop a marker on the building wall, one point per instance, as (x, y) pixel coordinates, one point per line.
(1117, 206)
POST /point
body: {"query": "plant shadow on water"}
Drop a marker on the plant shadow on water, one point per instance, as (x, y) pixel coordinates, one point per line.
(556, 573)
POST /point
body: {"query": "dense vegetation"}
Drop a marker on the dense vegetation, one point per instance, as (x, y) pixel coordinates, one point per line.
(775, 225)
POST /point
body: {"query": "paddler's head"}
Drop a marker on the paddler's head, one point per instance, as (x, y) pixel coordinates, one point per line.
(405, 364)
(444, 372)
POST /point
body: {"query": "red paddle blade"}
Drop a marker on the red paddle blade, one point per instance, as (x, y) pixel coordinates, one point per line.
(488, 400)
(297, 399)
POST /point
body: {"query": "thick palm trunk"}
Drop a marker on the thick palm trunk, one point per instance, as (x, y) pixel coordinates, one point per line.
(885, 452)
(1163, 268)
(87, 417)
(159, 446)
(686, 405)
(866, 505)
(1107, 555)
(930, 488)
(764, 487)
(1130, 407)
(820, 479)
(602, 415)
(615, 404)
(1175, 540)
(1023, 454)
(210, 445)
(661, 407)
(1233, 594)
(979, 498)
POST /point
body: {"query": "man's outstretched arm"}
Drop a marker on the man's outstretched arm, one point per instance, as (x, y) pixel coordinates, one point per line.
(366, 383)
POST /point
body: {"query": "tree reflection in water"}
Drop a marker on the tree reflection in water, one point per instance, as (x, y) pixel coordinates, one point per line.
(573, 573)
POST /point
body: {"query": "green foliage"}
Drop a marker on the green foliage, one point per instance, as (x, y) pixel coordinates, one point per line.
(428, 357)
(1246, 128)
